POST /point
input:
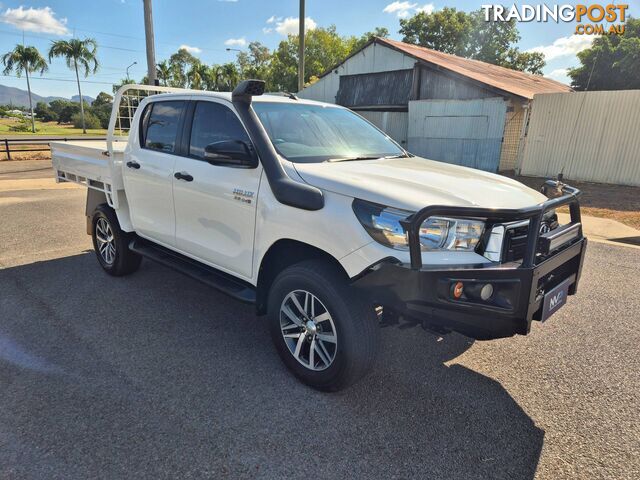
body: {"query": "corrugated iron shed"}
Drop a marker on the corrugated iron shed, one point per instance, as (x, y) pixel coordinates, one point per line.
(589, 136)
(512, 82)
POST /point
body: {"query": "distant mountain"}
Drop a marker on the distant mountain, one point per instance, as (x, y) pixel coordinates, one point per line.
(76, 98)
(20, 98)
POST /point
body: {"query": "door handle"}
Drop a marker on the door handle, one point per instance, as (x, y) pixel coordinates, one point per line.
(183, 176)
(134, 165)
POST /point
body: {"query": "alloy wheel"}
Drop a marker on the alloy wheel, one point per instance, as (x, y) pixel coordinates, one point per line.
(105, 241)
(308, 330)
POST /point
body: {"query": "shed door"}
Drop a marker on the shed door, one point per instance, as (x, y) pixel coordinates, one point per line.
(463, 132)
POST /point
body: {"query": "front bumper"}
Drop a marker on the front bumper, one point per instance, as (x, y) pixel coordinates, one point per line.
(425, 293)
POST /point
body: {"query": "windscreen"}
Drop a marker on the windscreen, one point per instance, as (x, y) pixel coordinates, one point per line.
(317, 133)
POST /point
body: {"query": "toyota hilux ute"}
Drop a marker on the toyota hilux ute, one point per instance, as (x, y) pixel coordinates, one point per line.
(320, 220)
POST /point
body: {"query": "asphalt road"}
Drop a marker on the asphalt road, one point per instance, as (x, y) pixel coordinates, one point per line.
(157, 376)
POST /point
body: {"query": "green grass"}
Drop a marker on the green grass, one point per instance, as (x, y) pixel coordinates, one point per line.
(47, 128)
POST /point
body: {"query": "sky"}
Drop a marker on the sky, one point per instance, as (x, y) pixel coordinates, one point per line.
(207, 27)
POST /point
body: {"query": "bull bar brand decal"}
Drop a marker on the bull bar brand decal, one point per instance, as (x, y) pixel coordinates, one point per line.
(592, 19)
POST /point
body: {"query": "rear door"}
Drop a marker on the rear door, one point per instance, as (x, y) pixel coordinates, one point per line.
(148, 171)
(215, 205)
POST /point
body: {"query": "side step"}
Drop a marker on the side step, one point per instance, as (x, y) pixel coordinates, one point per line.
(213, 277)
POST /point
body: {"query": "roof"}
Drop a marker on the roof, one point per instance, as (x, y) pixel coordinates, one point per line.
(510, 81)
(269, 97)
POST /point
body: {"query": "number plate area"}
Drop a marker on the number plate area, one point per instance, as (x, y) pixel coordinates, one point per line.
(556, 298)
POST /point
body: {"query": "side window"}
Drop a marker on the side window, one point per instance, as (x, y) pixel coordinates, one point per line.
(213, 122)
(160, 126)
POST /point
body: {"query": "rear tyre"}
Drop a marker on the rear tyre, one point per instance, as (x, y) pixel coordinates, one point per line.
(111, 244)
(322, 328)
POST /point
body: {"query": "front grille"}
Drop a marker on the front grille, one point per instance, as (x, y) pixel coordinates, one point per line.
(515, 242)
(515, 237)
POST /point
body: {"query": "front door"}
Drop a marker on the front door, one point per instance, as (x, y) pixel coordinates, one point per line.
(148, 172)
(215, 205)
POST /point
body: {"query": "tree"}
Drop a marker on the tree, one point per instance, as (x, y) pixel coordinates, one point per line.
(45, 113)
(613, 59)
(27, 60)
(77, 53)
(256, 62)
(89, 120)
(469, 35)
(68, 111)
(199, 76)
(228, 77)
(324, 48)
(101, 108)
(180, 63)
(58, 104)
(103, 98)
(163, 72)
(366, 37)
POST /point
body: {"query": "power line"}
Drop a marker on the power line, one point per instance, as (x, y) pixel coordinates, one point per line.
(111, 47)
(61, 80)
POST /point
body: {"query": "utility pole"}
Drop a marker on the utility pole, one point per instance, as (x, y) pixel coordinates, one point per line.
(151, 51)
(301, 48)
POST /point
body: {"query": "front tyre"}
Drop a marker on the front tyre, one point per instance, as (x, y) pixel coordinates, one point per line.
(111, 244)
(322, 328)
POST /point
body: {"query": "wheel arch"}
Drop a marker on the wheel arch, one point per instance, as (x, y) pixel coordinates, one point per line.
(95, 198)
(280, 255)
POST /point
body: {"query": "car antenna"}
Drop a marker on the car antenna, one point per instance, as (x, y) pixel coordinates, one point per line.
(290, 95)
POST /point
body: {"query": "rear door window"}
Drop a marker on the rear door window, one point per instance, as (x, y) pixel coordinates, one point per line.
(161, 126)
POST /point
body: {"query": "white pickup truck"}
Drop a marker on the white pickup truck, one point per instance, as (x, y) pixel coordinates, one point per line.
(322, 221)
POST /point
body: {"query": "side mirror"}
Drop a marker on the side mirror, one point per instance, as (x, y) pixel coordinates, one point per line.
(229, 152)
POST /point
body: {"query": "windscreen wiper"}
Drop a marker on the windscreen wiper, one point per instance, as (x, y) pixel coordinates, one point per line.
(351, 159)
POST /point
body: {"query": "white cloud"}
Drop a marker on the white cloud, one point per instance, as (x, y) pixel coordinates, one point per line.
(290, 25)
(267, 30)
(564, 46)
(273, 19)
(236, 42)
(405, 9)
(426, 8)
(190, 49)
(559, 74)
(42, 20)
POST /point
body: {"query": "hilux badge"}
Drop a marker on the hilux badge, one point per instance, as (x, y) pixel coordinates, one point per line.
(243, 196)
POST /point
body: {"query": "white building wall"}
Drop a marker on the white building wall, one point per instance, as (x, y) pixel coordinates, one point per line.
(394, 124)
(374, 58)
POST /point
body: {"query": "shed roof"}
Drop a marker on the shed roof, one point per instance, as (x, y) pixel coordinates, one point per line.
(511, 81)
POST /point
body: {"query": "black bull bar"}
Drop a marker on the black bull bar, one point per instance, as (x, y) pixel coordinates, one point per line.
(424, 292)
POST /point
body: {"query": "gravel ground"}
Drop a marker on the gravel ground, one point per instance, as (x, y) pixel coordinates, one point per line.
(157, 376)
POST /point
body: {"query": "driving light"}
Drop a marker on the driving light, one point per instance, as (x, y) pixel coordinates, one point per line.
(436, 233)
(486, 292)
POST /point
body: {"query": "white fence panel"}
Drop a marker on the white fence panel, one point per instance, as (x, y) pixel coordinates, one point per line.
(589, 136)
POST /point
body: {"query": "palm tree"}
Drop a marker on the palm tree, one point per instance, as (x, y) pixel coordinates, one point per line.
(231, 76)
(198, 76)
(77, 53)
(164, 72)
(29, 60)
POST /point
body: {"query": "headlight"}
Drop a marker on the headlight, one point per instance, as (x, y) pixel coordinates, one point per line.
(436, 233)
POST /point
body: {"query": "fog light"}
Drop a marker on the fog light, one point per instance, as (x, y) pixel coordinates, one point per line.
(486, 292)
(457, 290)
